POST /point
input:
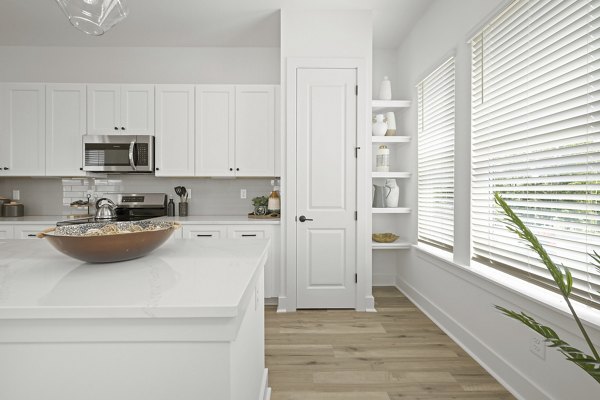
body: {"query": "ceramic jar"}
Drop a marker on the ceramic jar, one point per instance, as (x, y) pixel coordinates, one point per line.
(385, 90)
(382, 159)
(379, 126)
(390, 119)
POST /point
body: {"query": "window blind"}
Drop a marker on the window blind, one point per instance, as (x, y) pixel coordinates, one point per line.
(536, 138)
(436, 157)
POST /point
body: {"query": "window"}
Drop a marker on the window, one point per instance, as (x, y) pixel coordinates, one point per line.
(436, 157)
(536, 138)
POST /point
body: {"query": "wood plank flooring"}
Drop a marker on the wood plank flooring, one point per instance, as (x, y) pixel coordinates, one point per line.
(394, 354)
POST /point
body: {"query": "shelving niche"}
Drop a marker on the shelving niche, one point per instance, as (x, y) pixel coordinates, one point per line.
(395, 143)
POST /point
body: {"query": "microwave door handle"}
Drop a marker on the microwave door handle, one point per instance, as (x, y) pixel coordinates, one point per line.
(131, 148)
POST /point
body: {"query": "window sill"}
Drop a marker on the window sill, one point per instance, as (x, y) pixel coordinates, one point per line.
(477, 272)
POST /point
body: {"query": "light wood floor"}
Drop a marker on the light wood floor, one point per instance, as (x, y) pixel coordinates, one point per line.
(394, 354)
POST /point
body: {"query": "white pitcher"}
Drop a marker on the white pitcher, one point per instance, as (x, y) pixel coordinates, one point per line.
(392, 193)
(379, 126)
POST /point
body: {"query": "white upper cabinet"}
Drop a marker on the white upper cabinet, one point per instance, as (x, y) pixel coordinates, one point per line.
(215, 130)
(255, 130)
(126, 109)
(235, 130)
(174, 145)
(22, 129)
(65, 126)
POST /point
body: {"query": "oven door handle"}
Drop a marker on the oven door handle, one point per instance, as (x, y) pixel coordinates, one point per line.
(131, 148)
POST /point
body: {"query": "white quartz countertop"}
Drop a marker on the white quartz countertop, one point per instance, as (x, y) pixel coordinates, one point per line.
(181, 279)
(191, 220)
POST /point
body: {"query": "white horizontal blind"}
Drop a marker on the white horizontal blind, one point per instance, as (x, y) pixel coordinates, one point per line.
(436, 157)
(536, 138)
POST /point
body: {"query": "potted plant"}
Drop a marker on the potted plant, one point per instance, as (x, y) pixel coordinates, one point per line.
(564, 280)
(260, 205)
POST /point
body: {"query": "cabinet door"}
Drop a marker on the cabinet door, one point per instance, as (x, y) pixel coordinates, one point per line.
(22, 130)
(273, 262)
(103, 109)
(6, 232)
(28, 231)
(174, 130)
(137, 109)
(255, 130)
(215, 129)
(65, 126)
(204, 231)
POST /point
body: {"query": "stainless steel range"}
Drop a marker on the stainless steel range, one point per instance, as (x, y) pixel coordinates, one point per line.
(130, 207)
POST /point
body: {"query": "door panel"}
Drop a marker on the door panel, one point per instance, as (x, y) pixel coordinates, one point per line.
(215, 130)
(137, 109)
(326, 188)
(104, 109)
(65, 127)
(255, 130)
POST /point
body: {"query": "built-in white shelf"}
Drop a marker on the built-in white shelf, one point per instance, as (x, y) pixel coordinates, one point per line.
(390, 139)
(390, 210)
(391, 175)
(390, 246)
(389, 105)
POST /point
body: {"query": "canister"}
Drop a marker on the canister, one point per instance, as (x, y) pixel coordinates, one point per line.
(13, 210)
(3, 200)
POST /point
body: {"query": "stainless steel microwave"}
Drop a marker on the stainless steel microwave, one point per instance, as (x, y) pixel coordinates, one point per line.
(118, 153)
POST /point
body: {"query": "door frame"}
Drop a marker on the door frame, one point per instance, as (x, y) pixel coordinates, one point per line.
(288, 289)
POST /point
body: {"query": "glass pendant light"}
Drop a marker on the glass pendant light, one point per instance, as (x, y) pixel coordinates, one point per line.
(94, 17)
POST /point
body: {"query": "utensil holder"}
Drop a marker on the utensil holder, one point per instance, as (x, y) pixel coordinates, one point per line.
(183, 209)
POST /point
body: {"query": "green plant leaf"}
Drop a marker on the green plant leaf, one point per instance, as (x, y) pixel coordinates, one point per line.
(586, 362)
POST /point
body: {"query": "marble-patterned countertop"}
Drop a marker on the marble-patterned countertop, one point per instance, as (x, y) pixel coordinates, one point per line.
(181, 279)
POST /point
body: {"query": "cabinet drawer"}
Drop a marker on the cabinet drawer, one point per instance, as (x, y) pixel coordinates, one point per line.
(204, 232)
(6, 232)
(28, 231)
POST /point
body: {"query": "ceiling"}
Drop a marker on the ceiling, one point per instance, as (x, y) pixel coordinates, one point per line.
(195, 22)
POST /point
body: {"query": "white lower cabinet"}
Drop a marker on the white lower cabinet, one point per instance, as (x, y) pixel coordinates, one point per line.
(27, 231)
(273, 264)
(6, 232)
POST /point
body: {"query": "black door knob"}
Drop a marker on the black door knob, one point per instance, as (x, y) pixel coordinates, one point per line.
(122, 128)
(231, 169)
(302, 218)
(237, 169)
(6, 168)
(116, 129)
(158, 169)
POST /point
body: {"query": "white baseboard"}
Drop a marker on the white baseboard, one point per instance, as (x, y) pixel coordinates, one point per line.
(282, 304)
(370, 304)
(490, 360)
(265, 392)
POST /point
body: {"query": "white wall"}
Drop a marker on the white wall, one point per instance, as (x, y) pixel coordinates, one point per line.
(460, 301)
(258, 65)
(327, 34)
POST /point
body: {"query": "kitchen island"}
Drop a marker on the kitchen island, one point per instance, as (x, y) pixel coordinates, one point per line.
(185, 322)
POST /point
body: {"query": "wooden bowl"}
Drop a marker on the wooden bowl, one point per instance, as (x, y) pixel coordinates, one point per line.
(108, 248)
(384, 237)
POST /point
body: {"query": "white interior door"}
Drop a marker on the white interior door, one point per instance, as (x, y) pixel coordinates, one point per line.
(326, 188)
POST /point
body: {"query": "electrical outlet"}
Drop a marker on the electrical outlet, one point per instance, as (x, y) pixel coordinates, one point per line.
(243, 194)
(16, 195)
(537, 346)
(256, 298)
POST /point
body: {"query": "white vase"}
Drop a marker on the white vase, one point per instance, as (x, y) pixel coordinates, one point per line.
(385, 90)
(390, 119)
(392, 193)
(379, 126)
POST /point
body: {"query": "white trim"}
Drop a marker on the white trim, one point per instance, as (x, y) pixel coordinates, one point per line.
(265, 391)
(364, 298)
(490, 279)
(437, 65)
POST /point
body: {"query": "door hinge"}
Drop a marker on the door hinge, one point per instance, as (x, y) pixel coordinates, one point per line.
(356, 90)
(355, 278)
(356, 149)
(356, 215)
